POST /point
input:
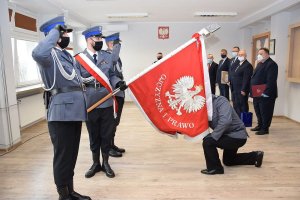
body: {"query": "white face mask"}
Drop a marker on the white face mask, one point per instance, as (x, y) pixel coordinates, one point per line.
(259, 57)
(234, 54)
(241, 58)
(209, 61)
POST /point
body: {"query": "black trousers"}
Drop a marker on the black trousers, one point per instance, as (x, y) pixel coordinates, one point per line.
(120, 101)
(213, 88)
(224, 90)
(240, 103)
(65, 137)
(101, 125)
(264, 109)
(230, 156)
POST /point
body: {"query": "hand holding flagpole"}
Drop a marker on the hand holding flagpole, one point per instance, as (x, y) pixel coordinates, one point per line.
(103, 100)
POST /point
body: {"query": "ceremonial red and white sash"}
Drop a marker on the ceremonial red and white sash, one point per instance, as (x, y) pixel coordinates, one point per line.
(97, 74)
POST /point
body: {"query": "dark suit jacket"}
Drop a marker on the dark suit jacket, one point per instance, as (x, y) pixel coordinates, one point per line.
(266, 73)
(223, 66)
(234, 63)
(213, 75)
(225, 121)
(241, 76)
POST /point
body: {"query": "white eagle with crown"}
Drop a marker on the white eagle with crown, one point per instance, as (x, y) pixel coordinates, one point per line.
(186, 96)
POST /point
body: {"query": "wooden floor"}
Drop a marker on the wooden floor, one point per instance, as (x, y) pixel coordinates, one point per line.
(158, 167)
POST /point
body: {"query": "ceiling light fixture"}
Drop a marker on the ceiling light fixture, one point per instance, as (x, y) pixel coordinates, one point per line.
(127, 15)
(215, 14)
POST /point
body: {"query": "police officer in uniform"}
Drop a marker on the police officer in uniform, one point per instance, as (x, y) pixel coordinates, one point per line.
(101, 122)
(113, 47)
(67, 106)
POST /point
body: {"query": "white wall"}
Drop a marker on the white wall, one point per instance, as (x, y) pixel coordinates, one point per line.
(141, 43)
(31, 109)
(9, 122)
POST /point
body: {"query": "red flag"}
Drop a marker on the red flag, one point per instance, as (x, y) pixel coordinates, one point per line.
(171, 93)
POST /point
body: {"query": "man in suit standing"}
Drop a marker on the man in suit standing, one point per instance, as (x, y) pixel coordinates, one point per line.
(212, 69)
(265, 73)
(234, 61)
(229, 134)
(223, 69)
(113, 47)
(101, 121)
(240, 83)
(67, 106)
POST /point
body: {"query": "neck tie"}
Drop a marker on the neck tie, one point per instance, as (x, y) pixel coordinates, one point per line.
(95, 58)
(67, 54)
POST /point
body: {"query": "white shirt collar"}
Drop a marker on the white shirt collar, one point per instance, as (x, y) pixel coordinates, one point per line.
(91, 53)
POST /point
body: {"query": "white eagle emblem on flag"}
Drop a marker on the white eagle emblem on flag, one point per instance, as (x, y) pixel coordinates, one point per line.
(185, 96)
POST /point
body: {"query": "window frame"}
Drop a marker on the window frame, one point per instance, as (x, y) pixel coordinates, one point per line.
(26, 35)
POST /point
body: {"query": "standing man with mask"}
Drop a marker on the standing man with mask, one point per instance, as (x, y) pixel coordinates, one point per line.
(223, 69)
(265, 75)
(113, 47)
(212, 69)
(67, 107)
(158, 56)
(234, 62)
(240, 83)
(101, 122)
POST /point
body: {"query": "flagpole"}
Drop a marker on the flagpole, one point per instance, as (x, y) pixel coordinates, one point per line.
(102, 100)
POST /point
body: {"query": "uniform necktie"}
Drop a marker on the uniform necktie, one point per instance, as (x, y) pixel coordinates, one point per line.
(67, 54)
(95, 58)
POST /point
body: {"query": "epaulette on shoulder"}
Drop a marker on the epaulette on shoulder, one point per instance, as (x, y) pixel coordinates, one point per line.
(105, 51)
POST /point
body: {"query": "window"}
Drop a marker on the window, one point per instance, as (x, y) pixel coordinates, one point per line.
(26, 69)
(293, 67)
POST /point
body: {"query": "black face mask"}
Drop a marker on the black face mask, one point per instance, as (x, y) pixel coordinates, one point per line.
(223, 56)
(64, 42)
(158, 58)
(98, 45)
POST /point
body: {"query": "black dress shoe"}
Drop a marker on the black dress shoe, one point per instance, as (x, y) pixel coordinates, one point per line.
(96, 167)
(120, 150)
(108, 171)
(259, 158)
(74, 195)
(212, 172)
(262, 132)
(113, 153)
(257, 128)
(106, 167)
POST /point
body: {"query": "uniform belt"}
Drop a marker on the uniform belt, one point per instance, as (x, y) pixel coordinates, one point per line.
(65, 89)
(98, 85)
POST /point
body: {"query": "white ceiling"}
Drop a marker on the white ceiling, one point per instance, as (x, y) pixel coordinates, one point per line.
(90, 12)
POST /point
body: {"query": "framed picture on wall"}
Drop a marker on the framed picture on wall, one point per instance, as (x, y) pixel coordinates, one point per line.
(272, 47)
(259, 41)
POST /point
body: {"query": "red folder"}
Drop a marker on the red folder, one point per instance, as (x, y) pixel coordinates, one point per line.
(257, 90)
